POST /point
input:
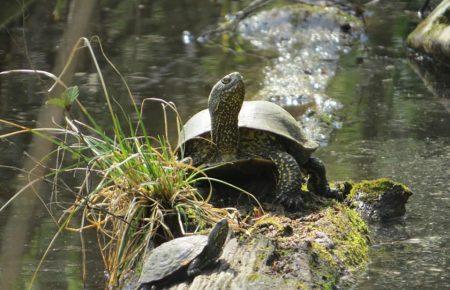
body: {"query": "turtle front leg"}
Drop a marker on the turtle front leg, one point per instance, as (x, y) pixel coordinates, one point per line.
(199, 151)
(194, 267)
(199, 264)
(289, 179)
(317, 181)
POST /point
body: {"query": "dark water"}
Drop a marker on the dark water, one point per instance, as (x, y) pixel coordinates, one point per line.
(395, 127)
(392, 125)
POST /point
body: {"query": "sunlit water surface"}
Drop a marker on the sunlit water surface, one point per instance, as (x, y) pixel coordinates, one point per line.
(392, 125)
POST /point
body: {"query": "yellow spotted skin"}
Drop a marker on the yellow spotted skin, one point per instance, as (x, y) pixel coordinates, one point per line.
(254, 143)
(224, 103)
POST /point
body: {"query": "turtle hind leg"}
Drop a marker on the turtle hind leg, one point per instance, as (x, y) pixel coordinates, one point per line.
(289, 179)
(317, 181)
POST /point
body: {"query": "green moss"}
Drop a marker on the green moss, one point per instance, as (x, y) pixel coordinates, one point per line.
(285, 252)
(253, 277)
(353, 250)
(349, 234)
(370, 190)
(429, 36)
(261, 257)
(266, 222)
(322, 257)
(301, 286)
(263, 254)
(326, 118)
(425, 38)
(337, 243)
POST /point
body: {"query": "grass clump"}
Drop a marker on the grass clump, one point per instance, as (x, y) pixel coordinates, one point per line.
(144, 191)
(133, 188)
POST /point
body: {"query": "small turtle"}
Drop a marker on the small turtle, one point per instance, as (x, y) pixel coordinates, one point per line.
(183, 257)
(232, 130)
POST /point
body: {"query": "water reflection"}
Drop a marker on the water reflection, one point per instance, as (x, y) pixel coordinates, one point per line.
(394, 126)
(19, 223)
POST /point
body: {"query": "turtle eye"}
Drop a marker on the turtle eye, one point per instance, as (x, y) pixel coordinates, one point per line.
(226, 80)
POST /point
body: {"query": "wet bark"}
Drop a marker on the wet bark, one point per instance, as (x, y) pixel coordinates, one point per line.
(432, 35)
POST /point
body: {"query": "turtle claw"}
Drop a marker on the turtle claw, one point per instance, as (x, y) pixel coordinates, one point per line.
(334, 193)
(291, 201)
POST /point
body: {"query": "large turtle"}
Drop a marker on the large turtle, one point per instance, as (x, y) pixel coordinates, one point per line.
(232, 130)
(183, 257)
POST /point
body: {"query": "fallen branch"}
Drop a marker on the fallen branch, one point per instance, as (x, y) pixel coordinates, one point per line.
(233, 21)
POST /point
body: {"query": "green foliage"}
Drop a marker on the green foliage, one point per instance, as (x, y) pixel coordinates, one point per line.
(66, 100)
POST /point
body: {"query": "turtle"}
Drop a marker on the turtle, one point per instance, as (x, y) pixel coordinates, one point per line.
(234, 130)
(183, 257)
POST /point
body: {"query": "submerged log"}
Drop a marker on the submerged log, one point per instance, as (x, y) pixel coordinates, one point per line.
(291, 253)
(432, 35)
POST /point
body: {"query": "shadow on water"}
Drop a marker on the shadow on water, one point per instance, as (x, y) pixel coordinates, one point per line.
(392, 125)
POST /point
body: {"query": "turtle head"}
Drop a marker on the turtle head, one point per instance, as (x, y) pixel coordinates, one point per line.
(224, 103)
(212, 250)
(227, 92)
(219, 234)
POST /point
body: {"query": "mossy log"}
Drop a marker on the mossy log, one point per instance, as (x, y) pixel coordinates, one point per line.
(318, 250)
(283, 253)
(379, 200)
(432, 35)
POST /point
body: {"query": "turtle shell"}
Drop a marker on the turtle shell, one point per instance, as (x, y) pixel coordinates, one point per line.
(170, 257)
(257, 115)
